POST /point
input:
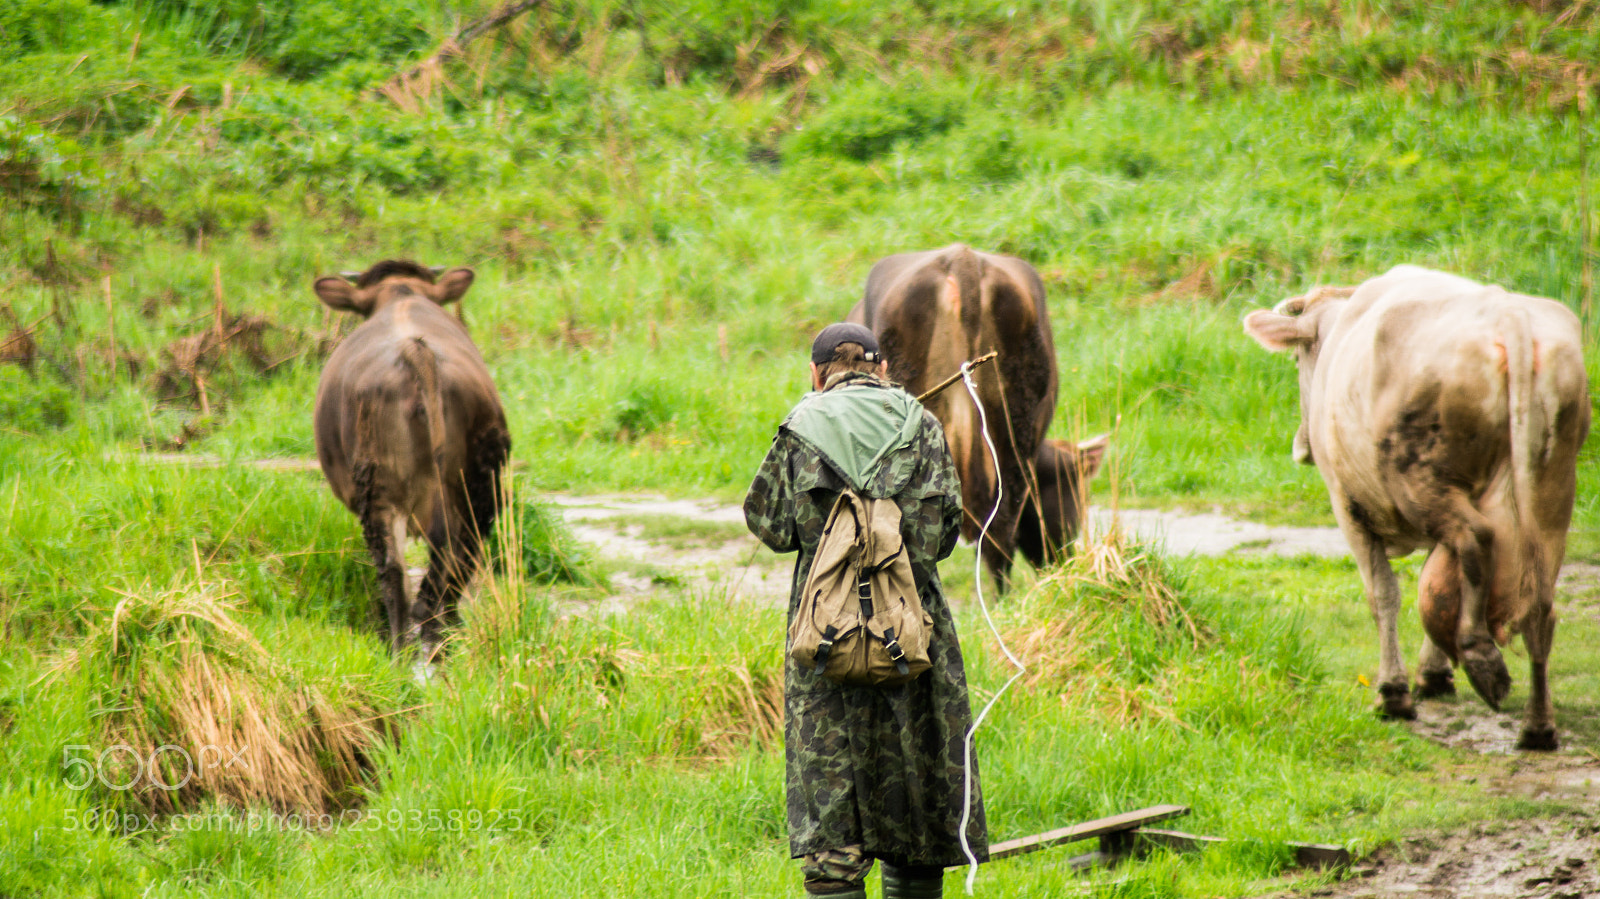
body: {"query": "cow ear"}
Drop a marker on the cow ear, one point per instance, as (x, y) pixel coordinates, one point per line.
(1091, 454)
(1277, 332)
(451, 285)
(341, 294)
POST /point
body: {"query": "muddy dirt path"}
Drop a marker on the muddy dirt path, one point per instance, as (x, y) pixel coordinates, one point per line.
(667, 544)
(1551, 858)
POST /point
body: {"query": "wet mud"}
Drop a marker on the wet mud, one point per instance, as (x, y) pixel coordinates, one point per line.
(616, 528)
(1549, 858)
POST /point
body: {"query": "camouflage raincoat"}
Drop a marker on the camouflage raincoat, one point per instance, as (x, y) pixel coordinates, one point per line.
(878, 767)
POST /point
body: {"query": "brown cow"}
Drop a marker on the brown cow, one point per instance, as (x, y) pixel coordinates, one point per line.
(1064, 470)
(933, 310)
(411, 435)
(1442, 412)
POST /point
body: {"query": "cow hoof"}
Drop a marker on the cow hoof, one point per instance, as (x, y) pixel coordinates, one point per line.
(1539, 739)
(1435, 684)
(1486, 670)
(1397, 703)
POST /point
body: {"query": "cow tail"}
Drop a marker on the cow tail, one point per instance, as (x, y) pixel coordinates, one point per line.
(424, 366)
(966, 269)
(1516, 333)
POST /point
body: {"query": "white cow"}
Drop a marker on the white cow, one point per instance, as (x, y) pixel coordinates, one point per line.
(1446, 413)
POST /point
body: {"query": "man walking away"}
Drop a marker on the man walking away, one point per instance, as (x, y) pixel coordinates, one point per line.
(871, 772)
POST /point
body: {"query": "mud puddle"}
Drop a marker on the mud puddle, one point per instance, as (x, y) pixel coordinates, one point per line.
(659, 544)
(655, 545)
(1215, 534)
(1551, 858)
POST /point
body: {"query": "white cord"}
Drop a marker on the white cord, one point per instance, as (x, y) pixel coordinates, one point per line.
(977, 567)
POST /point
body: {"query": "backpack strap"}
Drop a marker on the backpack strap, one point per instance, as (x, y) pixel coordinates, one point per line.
(825, 646)
(896, 653)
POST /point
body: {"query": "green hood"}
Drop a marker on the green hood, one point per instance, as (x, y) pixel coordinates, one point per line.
(855, 426)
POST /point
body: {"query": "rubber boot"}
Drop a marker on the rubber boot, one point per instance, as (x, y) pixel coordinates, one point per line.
(913, 882)
(857, 892)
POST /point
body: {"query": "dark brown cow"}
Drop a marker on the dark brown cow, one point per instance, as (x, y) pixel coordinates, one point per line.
(933, 310)
(1442, 412)
(411, 435)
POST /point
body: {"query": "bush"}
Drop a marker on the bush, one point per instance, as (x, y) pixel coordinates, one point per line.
(529, 538)
(28, 26)
(29, 402)
(175, 676)
(865, 123)
(44, 170)
(303, 38)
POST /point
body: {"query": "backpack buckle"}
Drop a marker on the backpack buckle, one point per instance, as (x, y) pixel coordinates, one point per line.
(896, 654)
(825, 646)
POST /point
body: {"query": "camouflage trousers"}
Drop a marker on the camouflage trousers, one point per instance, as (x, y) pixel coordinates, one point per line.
(845, 869)
(835, 870)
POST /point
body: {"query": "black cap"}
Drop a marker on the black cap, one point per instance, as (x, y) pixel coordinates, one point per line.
(829, 338)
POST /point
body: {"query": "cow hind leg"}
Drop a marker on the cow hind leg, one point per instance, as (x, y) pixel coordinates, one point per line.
(450, 566)
(1383, 595)
(456, 539)
(997, 557)
(1031, 542)
(1538, 727)
(1436, 677)
(1472, 538)
(384, 530)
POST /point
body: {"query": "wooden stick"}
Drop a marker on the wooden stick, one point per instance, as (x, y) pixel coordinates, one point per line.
(216, 287)
(200, 387)
(111, 327)
(986, 357)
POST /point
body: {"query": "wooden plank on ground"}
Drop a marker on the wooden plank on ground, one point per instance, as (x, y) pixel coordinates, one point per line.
(1088, 830)
(1320, 855)
(1306, 855)
(1177, 840)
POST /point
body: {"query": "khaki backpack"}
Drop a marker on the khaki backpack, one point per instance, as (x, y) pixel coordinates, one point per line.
(860, 617)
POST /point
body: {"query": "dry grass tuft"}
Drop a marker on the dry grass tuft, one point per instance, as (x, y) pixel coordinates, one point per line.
(194, 708)
(1111, 563)
(744, 705)
(1067, 632)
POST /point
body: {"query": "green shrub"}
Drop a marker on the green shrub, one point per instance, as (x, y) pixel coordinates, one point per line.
(303, 38)
(865, 122)
(643, 409)
(530, 532)
(33, 402)
(28, 26)
(42, 169)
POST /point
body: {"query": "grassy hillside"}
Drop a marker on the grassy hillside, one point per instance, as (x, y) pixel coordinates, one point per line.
(692, 192)
(663, 202)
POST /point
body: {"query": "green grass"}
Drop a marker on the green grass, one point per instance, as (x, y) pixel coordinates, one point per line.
(560, 725)
(662, 205)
